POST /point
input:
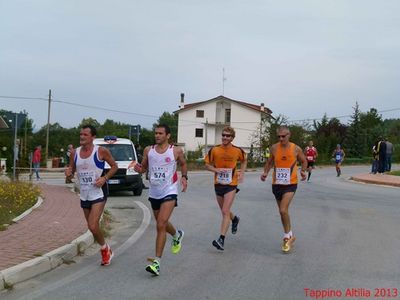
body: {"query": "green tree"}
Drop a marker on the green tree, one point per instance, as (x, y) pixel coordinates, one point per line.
(298, 135)
(89, 121)
(356, 136)
(264, 136)
(171, 120)
(372, 127)
(24, 133)
(59, 139)
(327, 134)
(110, 127)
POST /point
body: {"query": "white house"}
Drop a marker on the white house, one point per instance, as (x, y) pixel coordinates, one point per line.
(200, 124)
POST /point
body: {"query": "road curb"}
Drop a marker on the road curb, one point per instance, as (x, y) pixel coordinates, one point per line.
(28, 211)
(45, 263)
(367, 181)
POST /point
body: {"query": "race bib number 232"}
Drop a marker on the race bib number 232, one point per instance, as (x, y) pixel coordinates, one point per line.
(282, 176)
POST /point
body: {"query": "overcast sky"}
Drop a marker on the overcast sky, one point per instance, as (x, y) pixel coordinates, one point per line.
(301, 58)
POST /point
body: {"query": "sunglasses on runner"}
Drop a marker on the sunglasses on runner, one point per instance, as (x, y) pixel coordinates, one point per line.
(226, 135)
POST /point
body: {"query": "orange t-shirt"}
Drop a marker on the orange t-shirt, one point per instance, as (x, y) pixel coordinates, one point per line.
(225, 158)
(285, 168)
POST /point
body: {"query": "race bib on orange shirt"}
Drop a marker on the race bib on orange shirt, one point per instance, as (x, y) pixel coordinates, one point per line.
(282, 175)
(224, 176)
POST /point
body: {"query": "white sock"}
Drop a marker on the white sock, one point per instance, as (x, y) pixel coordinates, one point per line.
(104, 246)
(158, 259)
(175, 236)
(287, 235)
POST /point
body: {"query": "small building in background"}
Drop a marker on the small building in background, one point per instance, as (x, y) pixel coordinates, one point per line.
(200, 124)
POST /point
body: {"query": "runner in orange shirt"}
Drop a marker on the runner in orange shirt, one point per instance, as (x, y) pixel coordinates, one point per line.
(222, 161)
(283, 159)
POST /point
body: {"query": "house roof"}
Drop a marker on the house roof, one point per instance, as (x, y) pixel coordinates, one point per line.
(219, 98)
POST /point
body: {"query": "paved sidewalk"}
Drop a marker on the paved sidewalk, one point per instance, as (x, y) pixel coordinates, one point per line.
(382, 179)
(57, 222)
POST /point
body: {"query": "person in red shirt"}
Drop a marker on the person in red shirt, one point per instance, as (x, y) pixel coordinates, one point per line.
(37, 157)
(311, 154)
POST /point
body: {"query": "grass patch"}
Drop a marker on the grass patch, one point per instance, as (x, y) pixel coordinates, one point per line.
(396, 173)
(8, 286)
(15, 198)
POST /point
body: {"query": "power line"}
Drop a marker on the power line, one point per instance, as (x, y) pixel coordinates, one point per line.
(105, 109)
(154, 116)
(80, 105)
(23, 98)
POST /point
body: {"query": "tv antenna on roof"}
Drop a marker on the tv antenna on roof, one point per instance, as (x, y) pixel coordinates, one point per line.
(223, 81)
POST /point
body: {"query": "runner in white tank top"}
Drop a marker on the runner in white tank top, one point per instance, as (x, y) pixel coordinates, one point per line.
(162, 173)
(161, 160)
(88, 161)
(89, 170)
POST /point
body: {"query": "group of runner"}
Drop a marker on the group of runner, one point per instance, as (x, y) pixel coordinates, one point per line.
(161, 160)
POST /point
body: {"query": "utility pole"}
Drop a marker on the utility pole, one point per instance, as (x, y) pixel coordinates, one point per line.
(223, 81)
(205, 138)
(48, 128)
(26, 135)
(261, 148)
(15, 147)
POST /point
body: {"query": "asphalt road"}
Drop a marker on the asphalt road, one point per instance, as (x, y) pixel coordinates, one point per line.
(347, 238)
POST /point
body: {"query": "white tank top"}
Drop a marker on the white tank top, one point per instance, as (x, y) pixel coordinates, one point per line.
(162, 173)
(88, 170)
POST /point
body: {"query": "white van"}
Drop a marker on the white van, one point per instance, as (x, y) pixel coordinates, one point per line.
(124, 153)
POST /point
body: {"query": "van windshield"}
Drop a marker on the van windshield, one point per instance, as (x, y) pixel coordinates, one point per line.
(121, 152)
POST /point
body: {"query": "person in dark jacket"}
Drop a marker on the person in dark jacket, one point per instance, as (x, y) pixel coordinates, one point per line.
(382, 155)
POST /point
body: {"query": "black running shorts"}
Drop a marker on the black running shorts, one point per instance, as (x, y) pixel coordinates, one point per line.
(156, 203)
(279, 189)
(222, 189)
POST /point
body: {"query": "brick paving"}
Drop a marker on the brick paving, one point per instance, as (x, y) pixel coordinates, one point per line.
(58, 221)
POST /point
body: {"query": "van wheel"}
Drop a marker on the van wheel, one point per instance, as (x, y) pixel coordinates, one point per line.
(138, 191)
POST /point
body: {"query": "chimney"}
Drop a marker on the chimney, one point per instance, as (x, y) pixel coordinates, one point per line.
(262, 107)
(182, 101)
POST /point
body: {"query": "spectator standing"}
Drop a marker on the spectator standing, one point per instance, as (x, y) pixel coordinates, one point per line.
(70, 149)
(375, 158)
(382, 155)
(37, 157)
(389, 153)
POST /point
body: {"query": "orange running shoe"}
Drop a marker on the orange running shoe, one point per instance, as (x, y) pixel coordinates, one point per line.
(106, 256)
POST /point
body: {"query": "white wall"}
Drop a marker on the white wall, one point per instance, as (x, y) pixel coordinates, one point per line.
(244, 120)
(187, 124)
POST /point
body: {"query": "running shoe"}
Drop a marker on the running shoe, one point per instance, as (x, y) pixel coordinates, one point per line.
(219, 244)
(235, 223)
(177, 242)
(154, 268)
(106, 256)
(288, 243)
